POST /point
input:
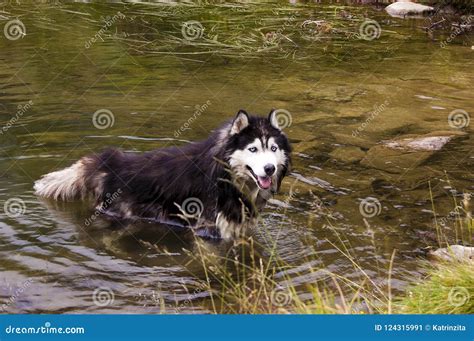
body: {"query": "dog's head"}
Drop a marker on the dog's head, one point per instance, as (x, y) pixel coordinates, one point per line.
(258, 151)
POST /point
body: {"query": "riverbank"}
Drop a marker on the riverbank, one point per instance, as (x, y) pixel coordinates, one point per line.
(254, 284)
(447, 288)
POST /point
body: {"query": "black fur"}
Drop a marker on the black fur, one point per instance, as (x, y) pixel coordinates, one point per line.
(154, 185)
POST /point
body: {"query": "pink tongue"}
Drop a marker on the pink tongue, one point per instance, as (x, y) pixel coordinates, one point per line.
(265, 182)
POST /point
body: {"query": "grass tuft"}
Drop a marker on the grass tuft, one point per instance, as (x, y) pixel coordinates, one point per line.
(448, 289)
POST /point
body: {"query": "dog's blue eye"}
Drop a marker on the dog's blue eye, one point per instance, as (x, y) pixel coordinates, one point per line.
(253, 149)
(274, 148)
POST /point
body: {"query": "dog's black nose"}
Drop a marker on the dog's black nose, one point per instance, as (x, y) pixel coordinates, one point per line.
(269, 169)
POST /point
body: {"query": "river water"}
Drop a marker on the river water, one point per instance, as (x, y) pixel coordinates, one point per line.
(346, 91)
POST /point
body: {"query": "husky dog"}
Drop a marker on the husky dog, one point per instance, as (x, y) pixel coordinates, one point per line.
(215, 186)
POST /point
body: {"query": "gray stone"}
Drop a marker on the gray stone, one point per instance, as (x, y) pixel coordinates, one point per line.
(454, 253)
(406, 8)
(428, 143)
(403, 154)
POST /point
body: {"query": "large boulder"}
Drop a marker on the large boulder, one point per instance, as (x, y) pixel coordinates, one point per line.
(405, 8)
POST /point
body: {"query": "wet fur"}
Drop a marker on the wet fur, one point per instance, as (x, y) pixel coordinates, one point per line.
(155, 184)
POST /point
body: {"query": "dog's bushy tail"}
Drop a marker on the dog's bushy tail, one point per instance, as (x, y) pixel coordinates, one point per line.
(67, 184)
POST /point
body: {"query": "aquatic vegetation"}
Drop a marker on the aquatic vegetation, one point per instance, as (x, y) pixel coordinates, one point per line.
(253, 279)
(251, 284)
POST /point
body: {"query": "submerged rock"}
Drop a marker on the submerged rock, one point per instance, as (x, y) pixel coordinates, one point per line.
(347, 154)
(352, 140)
(339, 94)
(308, 147)
(393, 161)
(428, 143)
(400, 155)
(407, 8)
(454, 253)
(314, 181)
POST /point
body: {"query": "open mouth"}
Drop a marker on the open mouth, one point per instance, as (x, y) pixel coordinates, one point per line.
(264, 182)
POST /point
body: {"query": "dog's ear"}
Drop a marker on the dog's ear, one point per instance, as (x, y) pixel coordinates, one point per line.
(241, 121)
(272, 117)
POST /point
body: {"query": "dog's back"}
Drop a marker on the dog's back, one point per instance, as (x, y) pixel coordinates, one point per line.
(211, 175)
